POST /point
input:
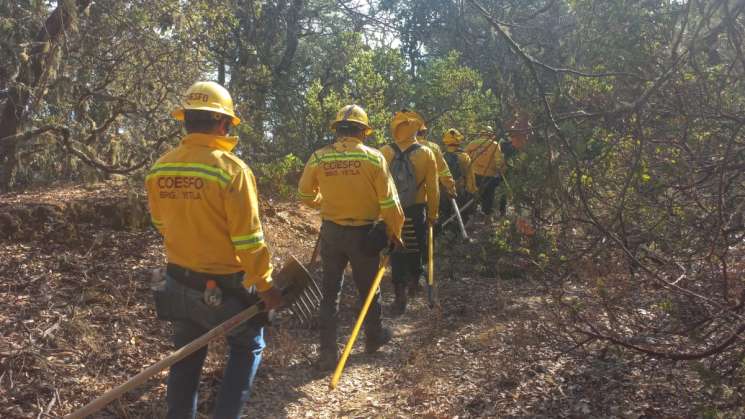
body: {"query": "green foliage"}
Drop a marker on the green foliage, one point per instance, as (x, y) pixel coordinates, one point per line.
(450, 94)
(635, 176)
(280, 176)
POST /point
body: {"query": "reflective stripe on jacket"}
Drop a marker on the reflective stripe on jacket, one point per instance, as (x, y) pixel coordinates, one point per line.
(351, 185)
(203, 200)
(486, 156)
(443, 171)
(426, 174)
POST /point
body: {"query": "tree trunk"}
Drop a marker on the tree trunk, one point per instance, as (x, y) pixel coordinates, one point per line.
(31, 77)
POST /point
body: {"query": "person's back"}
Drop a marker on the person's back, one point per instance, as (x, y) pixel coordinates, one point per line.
(467, 177)
(203, 201)
(407, 264)
(453, 161)
(485, 154)
(346, 171)
(490, 157)
(351, 185)
(488, 165)
(459, 161)
(422, 158)
(187, 182)
(443, 168)
(462, 170)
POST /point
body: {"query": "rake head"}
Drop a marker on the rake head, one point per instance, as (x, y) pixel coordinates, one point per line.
(300, 291)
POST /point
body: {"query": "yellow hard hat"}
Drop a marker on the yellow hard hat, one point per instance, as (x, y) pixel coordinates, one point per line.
(406, 124)
(207, 96)
(487, 130)
(452, 137)
(355, 114)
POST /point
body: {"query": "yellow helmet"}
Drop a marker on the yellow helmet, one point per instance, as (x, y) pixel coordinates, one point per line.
(406, 124)
(452, 137)
(355, 114)
(207, 96)
(487, 130)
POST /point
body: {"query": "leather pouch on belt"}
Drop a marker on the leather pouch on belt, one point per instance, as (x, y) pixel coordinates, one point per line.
(164, 307)
(376, 239)
(166, 301)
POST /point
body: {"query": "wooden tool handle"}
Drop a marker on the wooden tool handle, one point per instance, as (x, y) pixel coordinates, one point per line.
(166, 362)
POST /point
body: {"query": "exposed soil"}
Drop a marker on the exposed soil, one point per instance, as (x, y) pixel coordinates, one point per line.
(78, 319)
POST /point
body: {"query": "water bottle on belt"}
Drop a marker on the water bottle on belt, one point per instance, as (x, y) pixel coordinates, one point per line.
(212, 294)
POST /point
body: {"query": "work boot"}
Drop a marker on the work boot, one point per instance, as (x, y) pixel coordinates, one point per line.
(378, 340)
(399, 304)
(414, 288)
(327, 361)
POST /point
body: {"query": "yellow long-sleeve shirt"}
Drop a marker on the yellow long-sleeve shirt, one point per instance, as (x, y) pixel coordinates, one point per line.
(468, 178)
(443, 171)
(351, 185)
(486, 156)
(203, 201)
(425, 168)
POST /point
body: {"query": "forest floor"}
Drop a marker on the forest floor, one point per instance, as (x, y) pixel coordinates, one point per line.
(77, 318)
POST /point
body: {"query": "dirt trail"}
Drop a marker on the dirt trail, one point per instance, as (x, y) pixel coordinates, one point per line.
(78, 319)
(483, 355)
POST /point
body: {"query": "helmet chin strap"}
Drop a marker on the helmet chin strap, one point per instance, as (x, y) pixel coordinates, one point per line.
(224, 127)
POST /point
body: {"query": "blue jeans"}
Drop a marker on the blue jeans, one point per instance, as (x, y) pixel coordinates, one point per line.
(246, 343)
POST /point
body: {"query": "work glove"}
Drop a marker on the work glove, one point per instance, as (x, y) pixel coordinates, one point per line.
(394, 242)
(272, 298)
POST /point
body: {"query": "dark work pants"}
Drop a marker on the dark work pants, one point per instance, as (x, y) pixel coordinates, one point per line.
(246, 342)
(447, 210)
(342, 245)
(407, 264)
(487, 188)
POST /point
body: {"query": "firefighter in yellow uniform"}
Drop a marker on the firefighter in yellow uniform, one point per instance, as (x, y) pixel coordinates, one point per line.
(488, 165)
(203, 201)
(461, 170)
(351, 185)
(443, 170)
(414, 170)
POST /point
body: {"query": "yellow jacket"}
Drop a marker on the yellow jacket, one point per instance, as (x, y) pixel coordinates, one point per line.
(468, 179)
(426, 174)
(486, 156)
(351, 185)
(203, 201)
(443, 171)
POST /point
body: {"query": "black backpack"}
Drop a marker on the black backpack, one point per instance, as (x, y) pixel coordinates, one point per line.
(404, 175)
(451, 159)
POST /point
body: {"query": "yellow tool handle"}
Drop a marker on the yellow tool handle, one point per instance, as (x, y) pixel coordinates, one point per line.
(357, 326)
(431, 259)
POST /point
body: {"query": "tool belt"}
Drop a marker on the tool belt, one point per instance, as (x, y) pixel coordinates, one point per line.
(198, 280)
